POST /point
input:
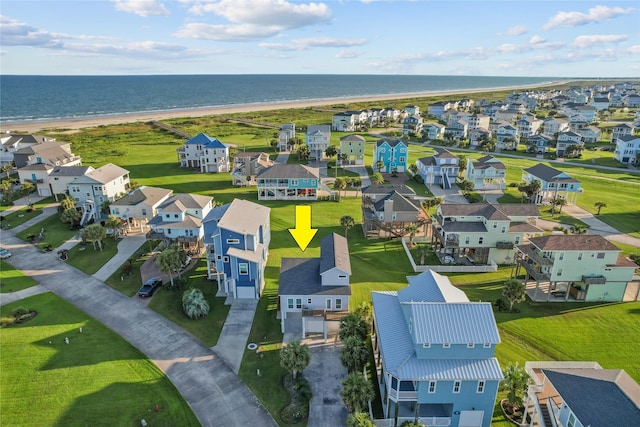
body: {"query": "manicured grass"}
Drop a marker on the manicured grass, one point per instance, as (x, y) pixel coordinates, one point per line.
(561, 218)
(98, 378)
(86, 258)
(55, 231)
(12, 279)
(168, 303)
(23, 215)
(130, 283)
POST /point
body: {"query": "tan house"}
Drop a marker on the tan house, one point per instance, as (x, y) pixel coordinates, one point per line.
(139, 206)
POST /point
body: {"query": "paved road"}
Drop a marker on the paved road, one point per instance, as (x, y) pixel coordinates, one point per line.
(216, 395)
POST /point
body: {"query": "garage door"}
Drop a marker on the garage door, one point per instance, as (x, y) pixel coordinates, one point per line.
(44, 191)
(314, 324)
(471, 418)
(245, 292)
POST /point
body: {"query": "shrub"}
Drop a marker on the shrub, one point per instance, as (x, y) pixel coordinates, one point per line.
(412, 424)
(19, 311)
(194, 305)
(513, 184)
(501, 305)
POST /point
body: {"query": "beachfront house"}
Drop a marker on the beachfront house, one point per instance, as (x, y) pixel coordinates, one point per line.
(315, 291)
(345, 122)
(318, 138)
(205, 153)
(441, 168)
(179, 220)
(483, 233)
(627, 149)
(99, 186)
(351, 150)
(236, 238)
(585, 267)
(434, 354)
(286, 136)
(288, 182)
(580, 394)
(486, 173)
(138, 207)
(389, 155)
(388, 210)
(554, 183)
(246, 167)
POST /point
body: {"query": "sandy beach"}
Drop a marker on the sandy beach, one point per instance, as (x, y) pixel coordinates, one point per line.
(89, 122)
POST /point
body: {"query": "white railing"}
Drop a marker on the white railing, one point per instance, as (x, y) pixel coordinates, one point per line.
(492, 267)
(403, 395)
(427, 421)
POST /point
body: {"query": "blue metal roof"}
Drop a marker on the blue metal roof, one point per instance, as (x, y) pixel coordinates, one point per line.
(206, 141)
(449, 369)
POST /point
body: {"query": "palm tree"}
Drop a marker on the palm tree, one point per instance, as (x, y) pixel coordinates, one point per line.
(339, 184)
(411, 229)
(377, 178)
(67, 202)
(303, 152)
(6, 187)
(6, 168)
(359, 419)
(194, 305)
(114, 224)
(557, 201)
(294, 357)
(364, 312)
(427, 204)
(578, 229)
(347, 222)
(168, 261)
(462, 164)
(516, 381)
(25, 191)
(356, 392)
(72, 216)
(94, 233)
(600, 205)
(413, 168)
(514, 291)
(354, 354)
(344, 158)
(379, 165)
(353, 325)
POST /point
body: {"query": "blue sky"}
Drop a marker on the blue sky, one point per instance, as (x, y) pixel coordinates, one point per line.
(476, 37)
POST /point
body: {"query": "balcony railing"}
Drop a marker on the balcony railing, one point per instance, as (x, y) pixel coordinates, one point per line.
(399, 395)
(594, 280)
(504, 245)
(533, 255)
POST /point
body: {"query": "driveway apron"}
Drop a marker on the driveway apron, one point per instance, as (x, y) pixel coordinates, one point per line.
(216, 395)
(235, 332)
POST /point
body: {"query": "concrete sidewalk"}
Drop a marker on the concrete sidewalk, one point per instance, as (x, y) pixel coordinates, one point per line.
(126, 247)
(215, 394)
(8, 298)
(235, 332)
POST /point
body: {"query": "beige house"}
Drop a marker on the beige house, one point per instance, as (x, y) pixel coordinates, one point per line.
(139, 206)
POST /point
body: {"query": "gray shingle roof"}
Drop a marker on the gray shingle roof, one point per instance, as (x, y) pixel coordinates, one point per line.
(334, 253)
(151, 195)
(547, 173)
(244, 217)
(400, 203)
(573, 242)
(390, 141)
(104, 174)
(494, 212)
(188, 200)
(70, 170)
(301, 276)
(595, 400)
(290, 172)
(388, 189)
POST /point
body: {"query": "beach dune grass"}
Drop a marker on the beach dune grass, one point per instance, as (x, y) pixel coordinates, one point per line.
(98, 378)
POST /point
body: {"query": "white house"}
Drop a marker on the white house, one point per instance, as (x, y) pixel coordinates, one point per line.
(486, 173)
(205, 153)
(318, 139)
(140, 205)
(286, 136)
(627, 149)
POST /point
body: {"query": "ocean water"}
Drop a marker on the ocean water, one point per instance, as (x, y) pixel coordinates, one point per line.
(38, 98)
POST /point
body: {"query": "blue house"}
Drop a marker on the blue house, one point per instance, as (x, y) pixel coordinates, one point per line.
(393, 154)
(555, 183)
(288, 182)
(434, 354)
(237, 237)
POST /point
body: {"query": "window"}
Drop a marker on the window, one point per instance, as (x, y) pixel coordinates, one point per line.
(298, 303)
(328, 304)
(243, 268)
(600, 255)
(338, 303)
(559, 272)
(144, 211)
(487, 345)
(233, 241)
(432, 386)
(225, 259)
(294, 182)
(446, 345)
(504, 229)
(495, 225)
(480, 240)
(426, 345)
(467, 239)
(168, 231)
(517, 240)
(290, 303)
(480, 388)
(561, 256)
(456, 386)
(470, 345)
(580, 256)
(402, 159)
(572, 420)
(308, 300)
(175, 215)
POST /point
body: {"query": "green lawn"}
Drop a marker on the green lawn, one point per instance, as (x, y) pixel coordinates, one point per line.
(130, 283)
(86, 258)
(168, 303)
(55, 231)
(22, 215)
(98, 378)
(12, 279)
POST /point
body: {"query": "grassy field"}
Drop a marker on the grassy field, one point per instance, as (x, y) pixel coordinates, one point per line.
(86, 258)
(130, 283)
(22, 215)
(12, 279)
(55, 231)
(98, 378)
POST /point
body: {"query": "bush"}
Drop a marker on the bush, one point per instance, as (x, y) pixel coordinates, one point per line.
(513, 184)
(412, 424)
(501, 305)
(19, 311)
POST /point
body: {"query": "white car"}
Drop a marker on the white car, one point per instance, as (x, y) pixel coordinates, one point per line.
(449, 260)
(4, 254)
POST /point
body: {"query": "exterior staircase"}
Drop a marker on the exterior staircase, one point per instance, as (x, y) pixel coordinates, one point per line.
(88, 211)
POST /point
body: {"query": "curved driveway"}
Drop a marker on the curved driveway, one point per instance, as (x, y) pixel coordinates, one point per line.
(216, 395)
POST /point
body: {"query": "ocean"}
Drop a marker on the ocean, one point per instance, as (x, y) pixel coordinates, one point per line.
(44, 98)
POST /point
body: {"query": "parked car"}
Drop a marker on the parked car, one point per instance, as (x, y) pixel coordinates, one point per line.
(4, 254)
(149, 287)
(449, 260)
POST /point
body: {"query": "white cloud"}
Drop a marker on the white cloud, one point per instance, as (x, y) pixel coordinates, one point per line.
(142, 8)
(272, 13)
(583, 42)
(229, 33)
(304, 44)
(15, 33)
(536, 40)
(514, 31)
(595, 14)
(634, 49)
(347, 54)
